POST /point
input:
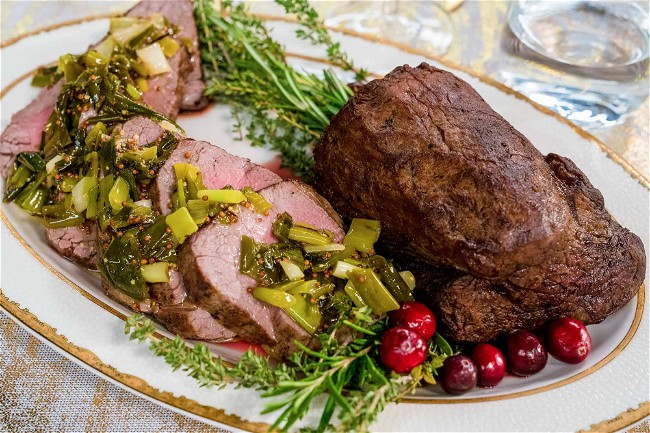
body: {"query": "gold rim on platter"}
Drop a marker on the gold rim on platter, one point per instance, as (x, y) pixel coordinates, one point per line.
(140, 386)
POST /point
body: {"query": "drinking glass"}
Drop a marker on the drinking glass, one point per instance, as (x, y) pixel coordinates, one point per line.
(589, 58)
(421, 24)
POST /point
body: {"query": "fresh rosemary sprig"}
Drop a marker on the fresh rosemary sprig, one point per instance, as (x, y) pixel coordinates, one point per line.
(274, 106)
(345, 367)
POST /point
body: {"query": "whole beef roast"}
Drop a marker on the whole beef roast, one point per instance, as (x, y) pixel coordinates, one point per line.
(219, 168)
(209, 261)
(455, 185)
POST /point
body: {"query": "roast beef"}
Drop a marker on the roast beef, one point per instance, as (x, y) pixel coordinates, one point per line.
(219, 168)
(25, 130)
(181, 14)
(455, 185)
(183, 317)
(78, 244)
(209, 261)
(143, 131)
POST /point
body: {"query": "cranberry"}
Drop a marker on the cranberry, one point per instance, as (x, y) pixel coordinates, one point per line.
(402, 350)
(491, 365)
(526, 355)
(458, 375)
(415, 316)
(568, 340)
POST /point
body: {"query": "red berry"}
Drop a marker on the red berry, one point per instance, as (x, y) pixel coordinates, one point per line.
(402, 350)
(458, 375)
(491, 365)
(568, 340)
(415, 316)
(526, 355)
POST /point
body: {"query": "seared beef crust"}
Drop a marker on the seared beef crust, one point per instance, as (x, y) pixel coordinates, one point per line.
(455, 185)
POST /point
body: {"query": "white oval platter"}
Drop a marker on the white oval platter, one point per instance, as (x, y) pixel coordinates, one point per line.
(64, 306)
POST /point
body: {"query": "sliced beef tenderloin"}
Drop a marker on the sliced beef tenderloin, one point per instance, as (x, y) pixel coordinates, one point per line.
(78, 244)
(170, 293)
(189, 321)
(181, 14)
(209, 261)
(181, 316)
(144, 306)
(25, 130)
(219, 168)
(141, 130)
(165, 91)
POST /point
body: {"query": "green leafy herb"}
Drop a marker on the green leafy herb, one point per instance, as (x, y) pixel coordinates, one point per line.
(274, 106)
(345, 368)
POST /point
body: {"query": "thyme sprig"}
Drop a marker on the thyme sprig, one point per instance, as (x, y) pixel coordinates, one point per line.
(345, 367)
(274, 106)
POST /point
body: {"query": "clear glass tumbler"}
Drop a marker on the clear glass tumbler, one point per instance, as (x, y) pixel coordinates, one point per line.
(590, 57)
(421, 24)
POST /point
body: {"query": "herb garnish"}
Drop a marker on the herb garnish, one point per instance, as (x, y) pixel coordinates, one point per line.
(274, 106)
(346, 368)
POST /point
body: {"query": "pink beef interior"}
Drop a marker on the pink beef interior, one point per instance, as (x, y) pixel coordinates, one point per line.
(209, 261)
(219, 168)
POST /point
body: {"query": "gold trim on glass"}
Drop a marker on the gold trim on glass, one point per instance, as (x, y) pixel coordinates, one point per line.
(211, 413)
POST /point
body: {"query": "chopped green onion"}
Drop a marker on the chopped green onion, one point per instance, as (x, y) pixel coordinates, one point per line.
(124, 35)
(122, 22)
(106, 47)
(312, 288)
(353, 293)
(18, 180)
(51, 164)
(308, 235)
(408, 278)
(342, 268)
(169, 46)
(292, 271)
(57, 216)
(278, 298)
(194, 180)
(34, 200)
(93, 58)
(198, 209)
(32, 160)
(105, 186)
(68, 183)
(230, 196)
(363, 234)
(391, 278)
(154, 59)
(80, 197)
(145, 154)
(156, 272)
(182, 224)
(142, 84)
(133, 91)
(372, 291)
(305, 314)
(180, 189)
(259, 203)
(119, 193)
(93, 202)
(289, 285)
(309, 249)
